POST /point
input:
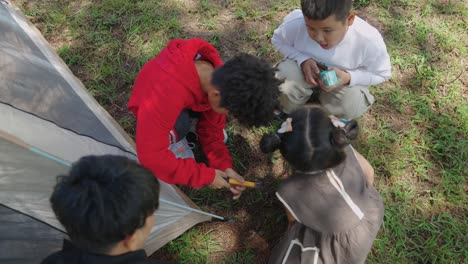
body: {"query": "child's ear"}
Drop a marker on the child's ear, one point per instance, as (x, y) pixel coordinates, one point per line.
(214, 93)
(214, 97)
(350, 19)
(130, 242)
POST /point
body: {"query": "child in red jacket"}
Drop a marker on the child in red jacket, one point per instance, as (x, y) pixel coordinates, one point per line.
(188, 76)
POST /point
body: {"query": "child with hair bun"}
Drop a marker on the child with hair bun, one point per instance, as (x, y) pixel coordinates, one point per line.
(334, 213)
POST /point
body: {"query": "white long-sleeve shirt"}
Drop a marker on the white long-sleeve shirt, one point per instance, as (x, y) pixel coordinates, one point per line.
(362, 52)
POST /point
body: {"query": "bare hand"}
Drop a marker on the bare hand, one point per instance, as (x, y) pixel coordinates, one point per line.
(236, 190)
(311, 71)
(220, 180)
(343, 79)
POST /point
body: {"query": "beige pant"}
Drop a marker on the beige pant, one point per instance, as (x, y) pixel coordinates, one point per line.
(348, 102)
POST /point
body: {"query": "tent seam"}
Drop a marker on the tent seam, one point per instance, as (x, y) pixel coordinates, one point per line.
(37, 219)
(67, 129)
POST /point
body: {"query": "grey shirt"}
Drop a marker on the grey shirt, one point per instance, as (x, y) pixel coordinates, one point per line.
(338, 215)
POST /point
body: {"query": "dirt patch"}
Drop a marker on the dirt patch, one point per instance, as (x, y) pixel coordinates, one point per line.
(233, 238)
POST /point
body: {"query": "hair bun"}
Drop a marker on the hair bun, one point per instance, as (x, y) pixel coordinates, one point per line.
(269, 143)
(338, 137)
(351, 129)
(342, 136)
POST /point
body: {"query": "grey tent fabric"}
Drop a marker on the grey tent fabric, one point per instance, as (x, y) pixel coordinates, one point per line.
(34, 82)
(20, 236)
(21, 179)
(52, 139)
(26, 180)
(47, 122)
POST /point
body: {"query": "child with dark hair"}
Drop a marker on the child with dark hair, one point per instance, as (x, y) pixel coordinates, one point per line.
(107, 206)
(334, 213)
(188, 81)
(327, 35)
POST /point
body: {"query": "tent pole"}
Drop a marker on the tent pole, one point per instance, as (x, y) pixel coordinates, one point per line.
(192, 209)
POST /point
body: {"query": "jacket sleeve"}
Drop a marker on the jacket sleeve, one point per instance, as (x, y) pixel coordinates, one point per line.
(210, 134)
(152, 142)
(376, 67)
(284, 36)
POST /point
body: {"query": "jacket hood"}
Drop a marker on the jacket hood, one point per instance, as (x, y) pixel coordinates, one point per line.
(177, 60)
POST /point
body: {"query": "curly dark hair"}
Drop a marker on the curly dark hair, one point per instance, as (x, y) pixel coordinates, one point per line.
(249, 89)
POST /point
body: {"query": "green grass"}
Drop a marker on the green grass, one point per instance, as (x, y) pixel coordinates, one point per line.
(193, 246)
(107, 42)
(415, 135)
(247, 256)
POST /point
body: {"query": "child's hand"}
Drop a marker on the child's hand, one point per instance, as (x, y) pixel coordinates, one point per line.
(311, 71)
(220, 180)
(343, 79)
(236, 190)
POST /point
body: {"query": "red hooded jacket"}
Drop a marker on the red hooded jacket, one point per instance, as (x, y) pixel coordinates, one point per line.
(166, 85)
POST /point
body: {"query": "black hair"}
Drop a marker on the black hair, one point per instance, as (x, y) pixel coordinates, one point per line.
(314, 142)
(248, 88)
(104, 199)
(321, 9)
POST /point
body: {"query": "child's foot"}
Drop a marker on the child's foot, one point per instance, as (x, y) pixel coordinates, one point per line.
(192, 137)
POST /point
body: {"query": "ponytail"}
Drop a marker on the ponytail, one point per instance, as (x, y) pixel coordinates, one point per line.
(352, 130)
(341, 136)
(270, 142)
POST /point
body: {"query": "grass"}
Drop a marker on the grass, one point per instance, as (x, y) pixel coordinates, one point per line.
(415, 135)
(193, 246)
(247, 256)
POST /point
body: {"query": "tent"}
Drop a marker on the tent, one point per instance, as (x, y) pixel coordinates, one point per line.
(48, 121)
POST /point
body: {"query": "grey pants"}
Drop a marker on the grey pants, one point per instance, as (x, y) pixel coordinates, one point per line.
(186, 120)
(348, 102)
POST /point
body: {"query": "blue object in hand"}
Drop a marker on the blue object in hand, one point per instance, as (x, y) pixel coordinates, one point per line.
(329, 78)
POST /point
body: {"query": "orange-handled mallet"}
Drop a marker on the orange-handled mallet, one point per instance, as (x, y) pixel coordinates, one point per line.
(247, 184)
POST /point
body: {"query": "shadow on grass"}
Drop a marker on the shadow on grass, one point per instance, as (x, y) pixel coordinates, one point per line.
(106, 43)
(415, 135)
(260, 219)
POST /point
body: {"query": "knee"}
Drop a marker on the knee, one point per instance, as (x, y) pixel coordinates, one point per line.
(352, 112)
(289, 70)
(348, 103)
(341, 111)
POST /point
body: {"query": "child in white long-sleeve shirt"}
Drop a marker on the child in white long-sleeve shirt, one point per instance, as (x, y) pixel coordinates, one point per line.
(330, 33)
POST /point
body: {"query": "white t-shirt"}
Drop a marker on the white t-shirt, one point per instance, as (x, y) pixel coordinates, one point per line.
(362, 52)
